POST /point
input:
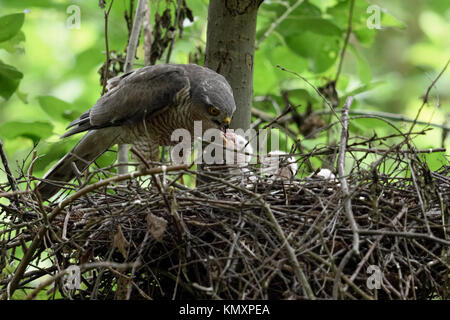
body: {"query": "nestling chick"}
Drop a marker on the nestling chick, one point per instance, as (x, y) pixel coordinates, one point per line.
(239, 153)
(278, 165)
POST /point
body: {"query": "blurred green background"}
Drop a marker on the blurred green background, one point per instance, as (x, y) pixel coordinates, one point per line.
(55, 67)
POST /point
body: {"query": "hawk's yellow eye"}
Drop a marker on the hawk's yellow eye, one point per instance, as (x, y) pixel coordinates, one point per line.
(214, 111)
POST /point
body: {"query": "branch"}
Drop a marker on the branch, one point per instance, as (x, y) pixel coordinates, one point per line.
(425, 98)
(85, 267)
(11, 180)
(341, 170)
(387, 115)
(411, 235)
(174, 34)
(277, 22)
(347, 38)
(315, 89)
(12, 286)
(122, 152)
(134, 36)
(105, 71)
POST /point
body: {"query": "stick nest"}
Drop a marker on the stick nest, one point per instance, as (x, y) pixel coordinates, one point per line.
(232, 238)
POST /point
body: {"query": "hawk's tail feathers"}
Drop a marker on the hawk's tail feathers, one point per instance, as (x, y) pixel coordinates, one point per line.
(87, 150)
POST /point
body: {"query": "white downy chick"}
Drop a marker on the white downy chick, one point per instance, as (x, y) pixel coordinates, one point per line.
(239, 153)
(277, 164)
(324, 173)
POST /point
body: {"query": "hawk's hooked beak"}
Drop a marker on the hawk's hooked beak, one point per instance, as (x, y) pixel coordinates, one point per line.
(226, 123)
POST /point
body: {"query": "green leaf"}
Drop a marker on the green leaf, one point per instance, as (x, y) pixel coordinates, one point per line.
(52, 153)
(9, 80)
(364, 72)
(344, 81)
(22, 96)
(388, 20)
(365, 35)
(19, 295)
(435, 160)
(264, 78)
(364, 88)
(306, 9)
(300, 97)
(106, 159)
(324, 4)
(33, 130)
(317, 25)
(284, 57)
(13, 45)
(340, 13)
(87, 60)
(294, 23)
(54, 5)
(321, 51)
(58, 109)
(365, 124)
(10, 25)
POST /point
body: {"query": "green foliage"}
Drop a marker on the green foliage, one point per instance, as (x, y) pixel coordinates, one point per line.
(58, 109)
(10, 25)
(10, 36)
(9, 80)
(33, 130)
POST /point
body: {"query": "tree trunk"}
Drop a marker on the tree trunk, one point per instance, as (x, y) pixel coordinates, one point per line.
(230, 48)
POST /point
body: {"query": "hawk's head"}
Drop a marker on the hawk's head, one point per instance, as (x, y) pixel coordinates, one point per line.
(214, 97)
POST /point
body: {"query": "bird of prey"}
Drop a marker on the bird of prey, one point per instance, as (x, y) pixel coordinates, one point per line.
(143, 108)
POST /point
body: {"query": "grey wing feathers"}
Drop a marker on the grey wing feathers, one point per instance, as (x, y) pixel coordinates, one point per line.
(133, 95)
(81, 124)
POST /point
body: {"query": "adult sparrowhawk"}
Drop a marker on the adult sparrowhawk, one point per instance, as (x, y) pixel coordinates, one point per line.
(143, 108)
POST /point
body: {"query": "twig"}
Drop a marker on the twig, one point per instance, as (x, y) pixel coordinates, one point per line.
(347, 38)
(174, 33)
(426, 97)
(85, 267)
(40, 235)
(276, 23)
(14, 194)
(315, 89)
(11, 180)
(106, 70)
(390, 116)
(291, 253)
(343, 180)
(419, 196)
(337, 277)
(386, 115)
(404, 234)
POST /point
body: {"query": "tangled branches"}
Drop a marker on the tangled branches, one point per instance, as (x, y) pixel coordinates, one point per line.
(236, 237)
